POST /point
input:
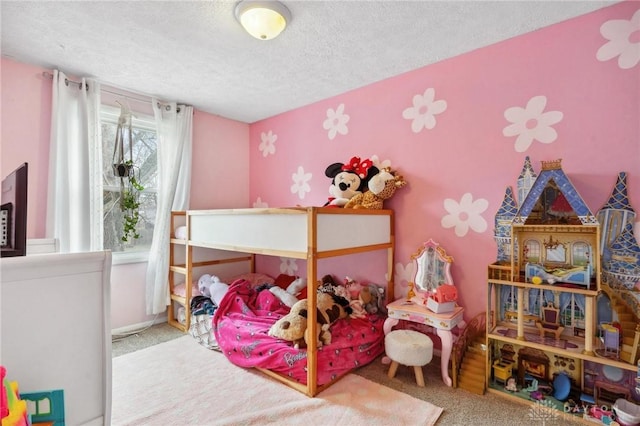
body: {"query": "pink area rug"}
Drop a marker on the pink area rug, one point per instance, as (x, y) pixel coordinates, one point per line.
(182, 383)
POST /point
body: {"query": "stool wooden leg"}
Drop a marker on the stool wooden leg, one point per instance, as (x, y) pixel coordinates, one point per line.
(392, 369)
(419, 377)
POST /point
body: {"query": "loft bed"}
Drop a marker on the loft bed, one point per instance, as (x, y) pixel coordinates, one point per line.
(307, 233)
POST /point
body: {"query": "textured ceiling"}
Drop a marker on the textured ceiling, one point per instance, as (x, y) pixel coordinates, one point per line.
(195, 52)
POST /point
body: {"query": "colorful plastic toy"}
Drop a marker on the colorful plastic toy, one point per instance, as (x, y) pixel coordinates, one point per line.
(13, 410)
(45, 408)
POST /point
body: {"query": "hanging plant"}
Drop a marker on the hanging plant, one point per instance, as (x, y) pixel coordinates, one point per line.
(130, 205)
(124, 169)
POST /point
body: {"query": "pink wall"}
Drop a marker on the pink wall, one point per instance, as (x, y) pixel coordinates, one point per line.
(469, 149)
(220, 152)
(26, 122)
(220, 163)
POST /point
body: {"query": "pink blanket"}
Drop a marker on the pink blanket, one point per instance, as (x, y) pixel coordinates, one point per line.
(243, 319)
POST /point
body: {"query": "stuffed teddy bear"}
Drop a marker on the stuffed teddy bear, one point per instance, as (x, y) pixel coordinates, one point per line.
(347, 180)
(293, 326)
(211, 287)
(382, 186)
(372, 299)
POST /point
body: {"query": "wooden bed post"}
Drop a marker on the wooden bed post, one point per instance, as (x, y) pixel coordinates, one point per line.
(312, 325)
(391, 296)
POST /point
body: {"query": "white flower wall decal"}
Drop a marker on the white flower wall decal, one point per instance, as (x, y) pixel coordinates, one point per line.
(259, 204)
(268, 144)
(531, 123)
(465, 214)
(288, 266)
(624, 41)
(404, 274)
(424, 110)
(336, 122)
(300, 183)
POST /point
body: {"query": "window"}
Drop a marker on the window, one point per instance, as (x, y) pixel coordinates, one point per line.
(146, 169)
(572, 314)
(532, 251)
(510, 298)
(580, 254)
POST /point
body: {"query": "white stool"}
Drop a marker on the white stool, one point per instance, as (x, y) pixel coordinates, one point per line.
(410, 348)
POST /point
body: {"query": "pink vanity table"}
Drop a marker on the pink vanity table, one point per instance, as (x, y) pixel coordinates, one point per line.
(402, 309)
(432, 270)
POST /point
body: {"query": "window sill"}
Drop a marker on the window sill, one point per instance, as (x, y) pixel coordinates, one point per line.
(124, 258)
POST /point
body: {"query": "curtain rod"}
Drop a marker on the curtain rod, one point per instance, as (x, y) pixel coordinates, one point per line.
(66, 80)
(167, 105)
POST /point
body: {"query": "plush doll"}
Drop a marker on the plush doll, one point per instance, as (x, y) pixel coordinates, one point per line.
(382, 186)
(347, 180)
(285, 297)
(211, 287)
(328, 284)
(298, 288)
(293, 326)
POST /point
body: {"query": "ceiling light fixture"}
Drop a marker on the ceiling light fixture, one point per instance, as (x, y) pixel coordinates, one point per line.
(263, 19)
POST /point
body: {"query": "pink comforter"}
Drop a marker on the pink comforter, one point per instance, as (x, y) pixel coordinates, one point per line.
(243, 319)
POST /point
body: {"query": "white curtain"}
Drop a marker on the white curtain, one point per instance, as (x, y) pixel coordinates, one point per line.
(74, 204)
(174, 134)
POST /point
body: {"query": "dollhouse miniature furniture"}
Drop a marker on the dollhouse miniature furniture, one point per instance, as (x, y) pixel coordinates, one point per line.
(532, 362)
(432, 271)
(410, 348)
(627, 412)
(605, 393)
(503, 366)
(550, 322)
(610, 339)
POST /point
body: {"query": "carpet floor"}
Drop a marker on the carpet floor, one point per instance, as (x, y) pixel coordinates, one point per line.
(182, 383)
(460, 407)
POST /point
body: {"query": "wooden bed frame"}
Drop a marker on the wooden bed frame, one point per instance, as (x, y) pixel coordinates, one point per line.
(308, 233)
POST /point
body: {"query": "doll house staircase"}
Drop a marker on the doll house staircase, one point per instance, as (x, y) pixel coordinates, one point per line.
(469, 357)
(630, 324)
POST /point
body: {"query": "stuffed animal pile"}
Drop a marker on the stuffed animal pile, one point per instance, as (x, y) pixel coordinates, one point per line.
(334, 301)
(381, 187)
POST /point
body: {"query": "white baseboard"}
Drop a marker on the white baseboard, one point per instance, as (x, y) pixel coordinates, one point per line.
(140, 326)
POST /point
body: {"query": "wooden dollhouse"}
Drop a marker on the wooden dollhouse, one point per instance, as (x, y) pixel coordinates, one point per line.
(548, 300)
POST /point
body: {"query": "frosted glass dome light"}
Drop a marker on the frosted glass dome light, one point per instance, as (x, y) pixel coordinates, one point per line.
(263, 19)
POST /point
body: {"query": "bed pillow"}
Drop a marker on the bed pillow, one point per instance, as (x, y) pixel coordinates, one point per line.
(180, 290)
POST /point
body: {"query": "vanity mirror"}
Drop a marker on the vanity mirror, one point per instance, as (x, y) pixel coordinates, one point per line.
(433, 284)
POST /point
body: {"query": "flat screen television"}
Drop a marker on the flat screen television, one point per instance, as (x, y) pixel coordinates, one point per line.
(13, 213)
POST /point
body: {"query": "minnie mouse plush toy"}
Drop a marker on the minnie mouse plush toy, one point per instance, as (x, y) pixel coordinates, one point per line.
(349, 179)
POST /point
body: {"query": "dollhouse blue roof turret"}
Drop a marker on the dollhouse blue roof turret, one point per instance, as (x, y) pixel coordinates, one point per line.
(615, 214)
(526, 179)
(623, 264)
(619, 247)
(502, 229)
(554, 198)
(509, 209)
